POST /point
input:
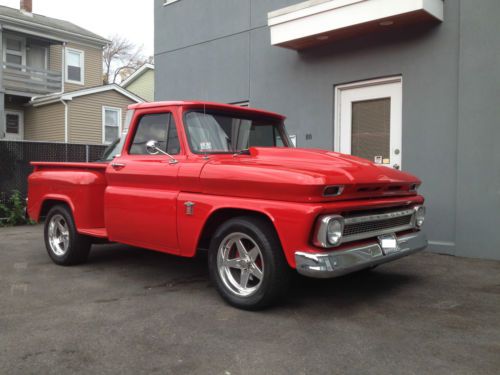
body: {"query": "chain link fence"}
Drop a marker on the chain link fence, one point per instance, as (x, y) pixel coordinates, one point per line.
(15, 158)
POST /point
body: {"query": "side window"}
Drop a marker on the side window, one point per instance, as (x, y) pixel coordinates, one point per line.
(159, 127)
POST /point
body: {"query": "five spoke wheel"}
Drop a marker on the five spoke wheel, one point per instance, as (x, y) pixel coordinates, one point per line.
(240, 264)
(58, 233)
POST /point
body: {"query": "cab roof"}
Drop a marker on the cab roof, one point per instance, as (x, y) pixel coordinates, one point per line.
(208, 105)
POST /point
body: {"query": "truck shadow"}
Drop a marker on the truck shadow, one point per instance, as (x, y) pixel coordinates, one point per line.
(163, 273)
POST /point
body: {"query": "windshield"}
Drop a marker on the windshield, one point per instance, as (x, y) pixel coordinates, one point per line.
(215, 132)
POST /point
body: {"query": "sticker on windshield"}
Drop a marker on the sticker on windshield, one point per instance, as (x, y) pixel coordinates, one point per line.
(205, 146)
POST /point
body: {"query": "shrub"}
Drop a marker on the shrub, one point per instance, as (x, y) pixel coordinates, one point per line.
(13, 211)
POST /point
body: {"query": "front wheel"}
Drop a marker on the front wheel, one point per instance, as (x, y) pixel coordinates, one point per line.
(64, 244)
(247, 264)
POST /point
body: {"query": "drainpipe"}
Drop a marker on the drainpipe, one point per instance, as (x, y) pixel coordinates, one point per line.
(65, 120)
(2, 92)
(63, 78)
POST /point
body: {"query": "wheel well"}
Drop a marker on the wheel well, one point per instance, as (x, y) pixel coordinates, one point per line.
(220, 216)
(48, 204)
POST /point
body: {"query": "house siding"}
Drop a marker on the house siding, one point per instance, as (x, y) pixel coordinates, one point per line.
(144, 86)
(85, 115)
(92, 65)
(44, 123)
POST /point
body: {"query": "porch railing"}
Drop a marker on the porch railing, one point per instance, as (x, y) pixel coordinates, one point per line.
(23, 78)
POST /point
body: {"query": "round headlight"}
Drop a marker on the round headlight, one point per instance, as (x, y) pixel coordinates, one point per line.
(419, 216)
(334, 231)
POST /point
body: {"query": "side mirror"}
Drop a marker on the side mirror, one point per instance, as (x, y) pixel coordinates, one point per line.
(153, 149)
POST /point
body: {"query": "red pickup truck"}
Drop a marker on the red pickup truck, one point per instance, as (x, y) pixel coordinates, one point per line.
(198, 175)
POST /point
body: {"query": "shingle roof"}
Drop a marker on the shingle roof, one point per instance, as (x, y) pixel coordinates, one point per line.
(12, 14)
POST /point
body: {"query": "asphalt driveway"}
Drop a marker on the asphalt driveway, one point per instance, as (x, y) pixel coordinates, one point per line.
(132, 311)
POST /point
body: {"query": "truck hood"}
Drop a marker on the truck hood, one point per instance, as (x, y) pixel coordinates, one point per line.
(294, 174)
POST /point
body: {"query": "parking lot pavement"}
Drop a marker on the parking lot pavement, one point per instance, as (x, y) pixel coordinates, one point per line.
(133, 311)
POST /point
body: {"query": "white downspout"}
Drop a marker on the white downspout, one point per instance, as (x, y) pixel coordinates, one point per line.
(63, 78)
(65, 120)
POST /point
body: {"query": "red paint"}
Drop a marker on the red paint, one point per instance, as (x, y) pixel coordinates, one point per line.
(142, 203)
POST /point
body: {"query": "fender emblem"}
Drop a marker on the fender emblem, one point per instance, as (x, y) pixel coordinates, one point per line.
(189, 207)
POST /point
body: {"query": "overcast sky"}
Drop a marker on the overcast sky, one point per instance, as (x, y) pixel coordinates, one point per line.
(131, 18)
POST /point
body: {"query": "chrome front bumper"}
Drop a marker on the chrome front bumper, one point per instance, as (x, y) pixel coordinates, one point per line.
(341, 262)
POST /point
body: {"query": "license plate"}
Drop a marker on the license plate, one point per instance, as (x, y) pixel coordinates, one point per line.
(388, 243)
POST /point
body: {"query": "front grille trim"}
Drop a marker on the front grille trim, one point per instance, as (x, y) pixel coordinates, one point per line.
(367, 226)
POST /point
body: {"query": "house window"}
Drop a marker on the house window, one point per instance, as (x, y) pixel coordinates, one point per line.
(111, 124)
(241, 104)
(74, 66)
(15, 51)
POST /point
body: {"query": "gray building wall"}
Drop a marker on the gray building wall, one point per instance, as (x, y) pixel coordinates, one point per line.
(220, 50)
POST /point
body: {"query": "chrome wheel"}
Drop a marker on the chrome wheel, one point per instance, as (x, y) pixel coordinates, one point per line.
(58, 234)
(240, 264)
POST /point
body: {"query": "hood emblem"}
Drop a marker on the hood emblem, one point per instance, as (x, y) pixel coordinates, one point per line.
(189, 207)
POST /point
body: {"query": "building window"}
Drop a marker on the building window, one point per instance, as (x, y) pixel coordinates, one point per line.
(74, 66)
(15, 51)
(111, 124)
(241, 104)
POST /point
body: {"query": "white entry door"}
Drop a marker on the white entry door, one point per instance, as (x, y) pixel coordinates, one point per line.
(14, 125)
(369, 119)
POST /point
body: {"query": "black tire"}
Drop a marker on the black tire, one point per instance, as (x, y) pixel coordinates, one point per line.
(276, 273)
(77, 246)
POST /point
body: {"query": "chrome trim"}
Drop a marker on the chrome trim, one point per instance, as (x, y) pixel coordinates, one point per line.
(416, 209)
(340, 191)
(378, 217)
(320, 237)
(341, 262)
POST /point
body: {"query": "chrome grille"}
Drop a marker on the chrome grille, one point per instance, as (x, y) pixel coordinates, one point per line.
(366, 226)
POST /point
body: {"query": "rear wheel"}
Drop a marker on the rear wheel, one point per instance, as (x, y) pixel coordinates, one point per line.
(64, 244)
(247, 264)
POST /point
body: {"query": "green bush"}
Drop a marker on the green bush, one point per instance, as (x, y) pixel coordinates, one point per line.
(12, 212)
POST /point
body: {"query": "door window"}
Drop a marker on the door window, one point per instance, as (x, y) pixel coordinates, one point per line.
(12, 124)
(370, 138)
(369, 120)
(159, 127)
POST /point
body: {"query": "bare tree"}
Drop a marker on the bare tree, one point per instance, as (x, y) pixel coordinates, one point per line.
(120, 59)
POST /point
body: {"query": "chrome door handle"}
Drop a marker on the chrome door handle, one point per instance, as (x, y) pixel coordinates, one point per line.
(117, 165)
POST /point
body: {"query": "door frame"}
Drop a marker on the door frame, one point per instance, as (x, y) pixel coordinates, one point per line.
(339, 89)
(21, 123)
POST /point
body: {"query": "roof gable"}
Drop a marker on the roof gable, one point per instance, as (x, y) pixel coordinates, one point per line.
(48, 24)
(137, 74)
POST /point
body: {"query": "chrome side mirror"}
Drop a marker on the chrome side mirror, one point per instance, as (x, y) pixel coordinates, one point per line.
(153, 149)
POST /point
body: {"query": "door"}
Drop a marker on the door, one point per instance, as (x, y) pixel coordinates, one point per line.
(141, 196)
(14, 125)
(369, 120)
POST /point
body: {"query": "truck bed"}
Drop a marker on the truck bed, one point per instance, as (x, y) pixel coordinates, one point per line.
(81, 186)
